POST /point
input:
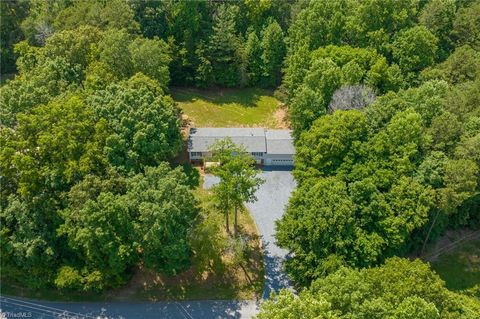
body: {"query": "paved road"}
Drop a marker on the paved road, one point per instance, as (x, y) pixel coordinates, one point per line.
(208, 309)
(272, 198)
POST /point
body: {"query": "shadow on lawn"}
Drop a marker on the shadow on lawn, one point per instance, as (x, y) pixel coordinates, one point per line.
(246, 97)
(212, 277)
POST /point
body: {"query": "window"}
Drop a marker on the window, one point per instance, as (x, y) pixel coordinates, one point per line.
(196, 154)
(258, 154)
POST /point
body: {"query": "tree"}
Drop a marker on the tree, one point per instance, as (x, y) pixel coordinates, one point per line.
(114, 14)
(398, 289)
(152, 17)
(190, 25)
(144, 128)
(238, 178)
(152, 58)
(28, 240)
(166, 210)
(461, 181)
(306, 305)
(428, 100)
(323, 78)
(312, 81)
(273, 52)
(461, 66)
(39, 163)
(462, 100)
(253, 53)
(415, 49)
(375, 23)
(437, 16)
(339, 162)
(40, 80)
(465, 26)
(101, 232)
(318, 222)
(323, 149)
(38, 25)
(319, 24)
(113, 223)
(115, 53)
(305, 107)
(78, 46)
(50, 158)
(204, 72)
(445, 130)
(296, 67)
(360, 65)
(223, 46)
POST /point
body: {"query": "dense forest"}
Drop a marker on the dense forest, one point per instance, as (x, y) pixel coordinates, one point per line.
(383, 98)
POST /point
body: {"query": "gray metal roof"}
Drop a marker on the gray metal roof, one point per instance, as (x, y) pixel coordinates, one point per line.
(279, 142)
(253, 139)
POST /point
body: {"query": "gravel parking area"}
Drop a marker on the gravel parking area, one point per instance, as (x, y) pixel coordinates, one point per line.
(272, 198)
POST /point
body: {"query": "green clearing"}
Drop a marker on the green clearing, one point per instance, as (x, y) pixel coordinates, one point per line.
(460, 268)
(248, 107)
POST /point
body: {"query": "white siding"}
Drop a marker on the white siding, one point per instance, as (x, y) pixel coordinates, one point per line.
(279, 160)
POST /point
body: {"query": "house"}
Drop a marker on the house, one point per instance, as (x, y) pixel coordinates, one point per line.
(267, 147)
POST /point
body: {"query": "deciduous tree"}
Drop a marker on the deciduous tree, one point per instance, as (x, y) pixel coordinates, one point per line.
(238, 178)
(399, 289)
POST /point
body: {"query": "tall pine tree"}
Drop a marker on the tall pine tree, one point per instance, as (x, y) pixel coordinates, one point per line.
(224, 47)
(273, 51)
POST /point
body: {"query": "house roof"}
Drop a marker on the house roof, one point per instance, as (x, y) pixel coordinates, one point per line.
(279, 142)
(253, 139)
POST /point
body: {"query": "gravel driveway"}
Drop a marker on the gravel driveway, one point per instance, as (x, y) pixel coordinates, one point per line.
(272, 197)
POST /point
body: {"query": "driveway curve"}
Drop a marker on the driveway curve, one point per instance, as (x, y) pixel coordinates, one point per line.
(272, 197)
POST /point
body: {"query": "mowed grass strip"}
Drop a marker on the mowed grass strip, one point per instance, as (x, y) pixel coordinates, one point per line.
(250, 107)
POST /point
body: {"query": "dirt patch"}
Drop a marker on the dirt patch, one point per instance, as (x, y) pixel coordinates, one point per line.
(281, 117)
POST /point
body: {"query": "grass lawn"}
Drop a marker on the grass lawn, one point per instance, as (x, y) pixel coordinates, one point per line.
(216, 273)
(460, 268)
(250, 107)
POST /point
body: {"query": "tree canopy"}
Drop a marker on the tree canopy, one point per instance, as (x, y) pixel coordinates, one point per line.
(382, 97)
(398, 289)
(379, 182)
(86, 128)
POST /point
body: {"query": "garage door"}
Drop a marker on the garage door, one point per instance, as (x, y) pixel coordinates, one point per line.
(282, 162)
